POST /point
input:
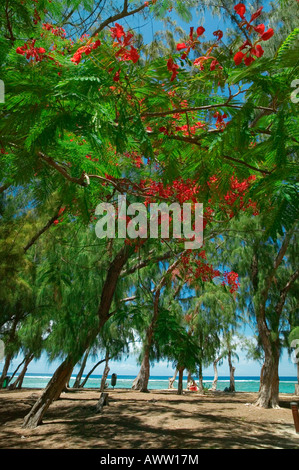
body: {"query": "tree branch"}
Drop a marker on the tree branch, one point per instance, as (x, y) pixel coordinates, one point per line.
(118, 16)
(284, 292)
(201, 108)
(42, 230)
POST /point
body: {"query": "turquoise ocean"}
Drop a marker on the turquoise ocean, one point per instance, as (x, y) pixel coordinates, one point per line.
(242, 384)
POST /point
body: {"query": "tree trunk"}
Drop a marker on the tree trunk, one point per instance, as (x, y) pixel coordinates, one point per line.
(105, 373)
(172, 379)
(63, 372)
(16, 370)
(261, 376)
(91, 371)
(52, 391)
(214, 384)
(80, 373)
(9, 355)
(200, 379)
(141, 381)
(231, 374)
(7, 362)
(103, 401)
(268, 396)
(180, 383)
(19, 381)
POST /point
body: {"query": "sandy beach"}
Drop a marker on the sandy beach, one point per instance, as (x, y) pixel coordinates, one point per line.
(156, 420)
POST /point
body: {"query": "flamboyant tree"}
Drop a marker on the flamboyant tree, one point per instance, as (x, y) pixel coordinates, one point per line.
(87, 119)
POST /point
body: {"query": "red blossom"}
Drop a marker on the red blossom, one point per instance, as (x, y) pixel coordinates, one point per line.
(260, 28)
(181, 46)
(30, 51)
(258, 51)
(251, 49)
(256, 14)
(172, 67)
(200, 30)
(240, 9)
(267, 35)
(218, 34)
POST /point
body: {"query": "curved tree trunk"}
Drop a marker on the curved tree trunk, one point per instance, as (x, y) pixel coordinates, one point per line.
(16, 370)
(90, 372)
(63, 373)
(7, 362)
(51, 393)
(19, 380)
(172, 379)
(80, 373)
(9, 355)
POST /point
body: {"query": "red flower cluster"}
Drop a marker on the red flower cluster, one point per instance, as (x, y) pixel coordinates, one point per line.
(192, 41)
(195, 268)
(37, 18)
(236, 193)
(180, 190)
(200, 61)
(135, 157)
(232, 279)
(87, 49)
(30, 51)
(190, 129)
(173, 68)
(60, 32)
(123, 41)
(220, 124)
(251, 49)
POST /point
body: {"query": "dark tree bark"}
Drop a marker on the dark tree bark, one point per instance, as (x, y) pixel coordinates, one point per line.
(51, 393)
(63, 372)
(180, 383)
